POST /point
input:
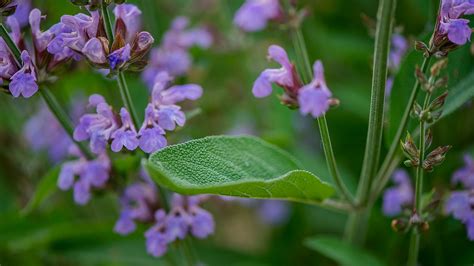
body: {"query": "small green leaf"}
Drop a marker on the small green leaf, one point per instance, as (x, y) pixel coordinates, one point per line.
(459, 94)
(343, 253)
(45, 188)
(235, 166)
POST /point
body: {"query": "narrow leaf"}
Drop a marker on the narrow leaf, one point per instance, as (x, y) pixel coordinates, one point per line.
(342, 252)
(459, 94)
(235, 166)
(45, 188)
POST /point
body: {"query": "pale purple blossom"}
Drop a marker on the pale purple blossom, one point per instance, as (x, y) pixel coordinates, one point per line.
(84, 175)
(274, 212)
(22, 10)
(172, 56)
(452, 29)
(24, 82)
(40, 39)
(465, 175)
(126, 135)
(94, 51)
(120, 56)
(399, 196)
(314, 98)
(254, 15)
(97, 127)
(284, 77)
(131, 17)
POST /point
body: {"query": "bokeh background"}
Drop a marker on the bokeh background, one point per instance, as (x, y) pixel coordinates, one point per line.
(58, 232)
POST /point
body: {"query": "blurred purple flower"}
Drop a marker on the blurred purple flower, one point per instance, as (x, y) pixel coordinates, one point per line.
(274, 212)
(399, 196)
(314, 98)
(465, 175)
(22, 10)
(254, 15)
(138, 203)
(90, 174)
(172, 55)
(398, 50)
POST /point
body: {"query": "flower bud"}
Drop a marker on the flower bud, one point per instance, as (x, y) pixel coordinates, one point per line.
(141, 45)
(421, 46)
(435, 158)
(399, 225)
(424, 226)
(438, 66)
(429, 138)
(409, 148)
(438, 103)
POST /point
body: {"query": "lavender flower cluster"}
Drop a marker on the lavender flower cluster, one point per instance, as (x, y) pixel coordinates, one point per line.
(313, 98)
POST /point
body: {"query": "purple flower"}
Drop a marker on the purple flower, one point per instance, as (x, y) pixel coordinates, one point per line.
(465, 175)
(90, 174)
(157, 238)
(131, 17)
(43, 132)
(397, 51)
(125, 135)
(23, 82)
(94, 51)
(460, 205)
(22, 10)
(172, 56)
(395, 198)
(14, 25)
(314, 98)
(458, 30)
(138, 203)
(284, 77)
(253, 15)
(97, 127)
(119, 57)
(40, 39)
(151, 134)
(274, 212)
(201, 222)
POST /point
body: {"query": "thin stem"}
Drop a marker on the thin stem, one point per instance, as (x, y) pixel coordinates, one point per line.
(374, 136)
(127, 98)
(383, 174)
(48, 97)
(11, 44)
(414, 248)
(415, 238)
(107, 24)
(63, 119)
(300, 46)
(357, 222)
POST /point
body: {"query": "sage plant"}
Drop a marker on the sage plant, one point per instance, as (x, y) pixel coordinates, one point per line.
(165, 184)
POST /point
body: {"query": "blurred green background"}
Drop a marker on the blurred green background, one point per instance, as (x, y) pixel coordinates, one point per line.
(59, 232)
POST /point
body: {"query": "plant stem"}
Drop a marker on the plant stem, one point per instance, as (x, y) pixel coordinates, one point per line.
(386, 13)
(107, 24)
(48, 97)
(126, 98)
(63, 119)
(300, 46)
(11, 44)
(383, 174)
(415, 238)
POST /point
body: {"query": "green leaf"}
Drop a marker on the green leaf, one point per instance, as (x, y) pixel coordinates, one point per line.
(235, 166)
(342, 252)
(45, 188)
(459, 94)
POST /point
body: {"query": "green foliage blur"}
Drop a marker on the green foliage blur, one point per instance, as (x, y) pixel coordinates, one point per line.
(58, 232)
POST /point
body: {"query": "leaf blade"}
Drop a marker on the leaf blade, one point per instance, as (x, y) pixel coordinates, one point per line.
(235, 166)
(342, 252)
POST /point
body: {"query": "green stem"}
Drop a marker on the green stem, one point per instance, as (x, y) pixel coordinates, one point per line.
(107, 24)
(127, 98)
(414, 248)
(357, 222)
(383, 174)
(63, 119)
(48, 97)
(415, 238)
(300, 46)
(11, 44)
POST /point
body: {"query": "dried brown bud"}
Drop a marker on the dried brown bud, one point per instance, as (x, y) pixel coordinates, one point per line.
(428, 138)
(435, 158)
(421, 46)
(399, 225)
(420, 76)
(409, 148)
(438, 103)
(438, 66)
(424, 226)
